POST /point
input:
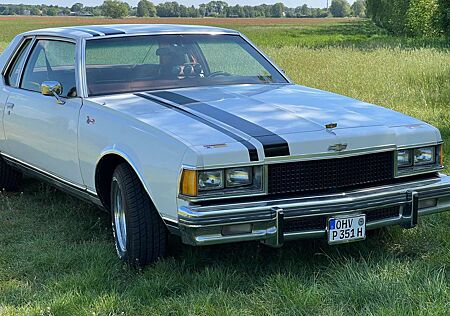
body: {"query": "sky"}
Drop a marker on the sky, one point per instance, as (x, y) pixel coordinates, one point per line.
(289, 3)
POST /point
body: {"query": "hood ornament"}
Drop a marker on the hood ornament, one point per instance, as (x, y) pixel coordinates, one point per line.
(337, 147)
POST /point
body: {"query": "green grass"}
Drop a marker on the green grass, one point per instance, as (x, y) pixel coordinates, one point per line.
(57, 256)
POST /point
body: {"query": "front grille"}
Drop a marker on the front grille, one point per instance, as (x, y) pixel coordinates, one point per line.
(383, 213)
(319, 222)
(329, 175)
(305, 224)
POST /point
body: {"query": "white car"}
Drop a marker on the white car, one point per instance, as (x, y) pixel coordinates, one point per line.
(194, 131)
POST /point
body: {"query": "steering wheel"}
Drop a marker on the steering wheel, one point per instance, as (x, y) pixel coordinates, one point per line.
(218, 74)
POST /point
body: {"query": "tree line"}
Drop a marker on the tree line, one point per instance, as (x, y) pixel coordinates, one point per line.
(411, 17)
(145, 8)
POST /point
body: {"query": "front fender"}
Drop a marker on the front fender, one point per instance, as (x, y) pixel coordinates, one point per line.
(155, 156)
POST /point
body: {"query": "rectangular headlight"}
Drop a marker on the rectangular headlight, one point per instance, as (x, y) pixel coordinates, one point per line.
(210, 180)
(238, 176)
(424, 155)
(404, 158)
(231, 182)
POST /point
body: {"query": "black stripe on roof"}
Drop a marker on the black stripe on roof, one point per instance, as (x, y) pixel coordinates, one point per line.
(274, 145)
(81, 29)
(107, 30)
(252, 151)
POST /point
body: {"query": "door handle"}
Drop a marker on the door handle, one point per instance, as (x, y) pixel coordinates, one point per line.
(9, 107)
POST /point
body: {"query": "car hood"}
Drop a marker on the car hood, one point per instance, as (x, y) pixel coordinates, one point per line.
(297, 114)
(284, 109)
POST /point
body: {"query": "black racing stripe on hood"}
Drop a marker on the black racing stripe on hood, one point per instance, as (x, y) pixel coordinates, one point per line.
(274, 145)
(106, 30)
(252, 151)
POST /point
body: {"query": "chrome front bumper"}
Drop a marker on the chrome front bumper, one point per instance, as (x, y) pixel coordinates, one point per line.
(204, 225)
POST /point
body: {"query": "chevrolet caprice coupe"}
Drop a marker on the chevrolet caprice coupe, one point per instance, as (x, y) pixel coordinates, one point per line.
(193, 131)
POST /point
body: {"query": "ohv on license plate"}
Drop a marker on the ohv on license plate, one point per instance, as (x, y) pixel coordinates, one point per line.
(342, 229)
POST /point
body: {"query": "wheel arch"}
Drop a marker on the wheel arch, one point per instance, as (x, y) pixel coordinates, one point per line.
(104, 170)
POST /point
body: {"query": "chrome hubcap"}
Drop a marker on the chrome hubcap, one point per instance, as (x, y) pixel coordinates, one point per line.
(119, 217)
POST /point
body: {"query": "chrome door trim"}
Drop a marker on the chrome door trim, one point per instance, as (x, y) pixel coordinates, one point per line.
(63, 184)
(31, 167)
(82, 69)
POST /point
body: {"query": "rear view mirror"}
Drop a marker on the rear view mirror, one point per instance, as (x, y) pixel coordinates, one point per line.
(52, 88)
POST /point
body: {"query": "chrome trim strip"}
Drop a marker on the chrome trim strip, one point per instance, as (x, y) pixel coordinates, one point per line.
(82, 62)
(51, 175)
(433, 210)
(64, 185)
(92, 192)
(420, 145)
(433, 168)
(315, 156)
(332, 155)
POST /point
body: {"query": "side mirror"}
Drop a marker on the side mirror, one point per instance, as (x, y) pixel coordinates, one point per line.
(52, 88)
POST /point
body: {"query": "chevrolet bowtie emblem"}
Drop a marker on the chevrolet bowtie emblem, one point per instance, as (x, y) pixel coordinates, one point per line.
(338, 147)
(331, 125)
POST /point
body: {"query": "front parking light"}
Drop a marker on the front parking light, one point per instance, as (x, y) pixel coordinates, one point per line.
(189, 183)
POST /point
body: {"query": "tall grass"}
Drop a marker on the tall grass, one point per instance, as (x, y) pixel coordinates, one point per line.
(57, 255)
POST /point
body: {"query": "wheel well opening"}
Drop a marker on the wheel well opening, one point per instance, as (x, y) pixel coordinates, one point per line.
(103, 176)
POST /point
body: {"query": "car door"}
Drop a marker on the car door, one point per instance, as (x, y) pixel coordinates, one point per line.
(40, 132)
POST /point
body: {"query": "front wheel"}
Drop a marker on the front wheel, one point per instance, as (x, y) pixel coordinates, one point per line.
(139, 233)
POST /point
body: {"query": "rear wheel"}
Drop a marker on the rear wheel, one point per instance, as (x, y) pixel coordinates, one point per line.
(139, 233)
(9, 177)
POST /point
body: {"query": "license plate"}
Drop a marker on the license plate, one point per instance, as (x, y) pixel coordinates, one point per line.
(346, 229)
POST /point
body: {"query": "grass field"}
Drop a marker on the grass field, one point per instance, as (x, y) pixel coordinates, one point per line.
(57, 255)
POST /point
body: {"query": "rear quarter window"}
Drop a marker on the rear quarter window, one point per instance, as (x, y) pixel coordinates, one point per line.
(12, 74)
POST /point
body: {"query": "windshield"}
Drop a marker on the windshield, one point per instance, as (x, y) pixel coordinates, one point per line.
(129, 64)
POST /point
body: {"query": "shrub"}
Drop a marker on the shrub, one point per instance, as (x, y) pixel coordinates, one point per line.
(411, 17)
(422, 18)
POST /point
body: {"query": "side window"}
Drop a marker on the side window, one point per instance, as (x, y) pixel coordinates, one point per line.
(13, 73)
(51, 60)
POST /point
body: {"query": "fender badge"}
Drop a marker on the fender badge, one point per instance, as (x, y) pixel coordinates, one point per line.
(90, 120)
(215, 146)
(338, 147)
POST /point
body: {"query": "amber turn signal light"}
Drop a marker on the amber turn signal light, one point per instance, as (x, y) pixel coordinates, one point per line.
(441, 156)
(189, 182)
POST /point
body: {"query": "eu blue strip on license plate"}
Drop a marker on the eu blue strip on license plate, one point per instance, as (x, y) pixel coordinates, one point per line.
(342, 229)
